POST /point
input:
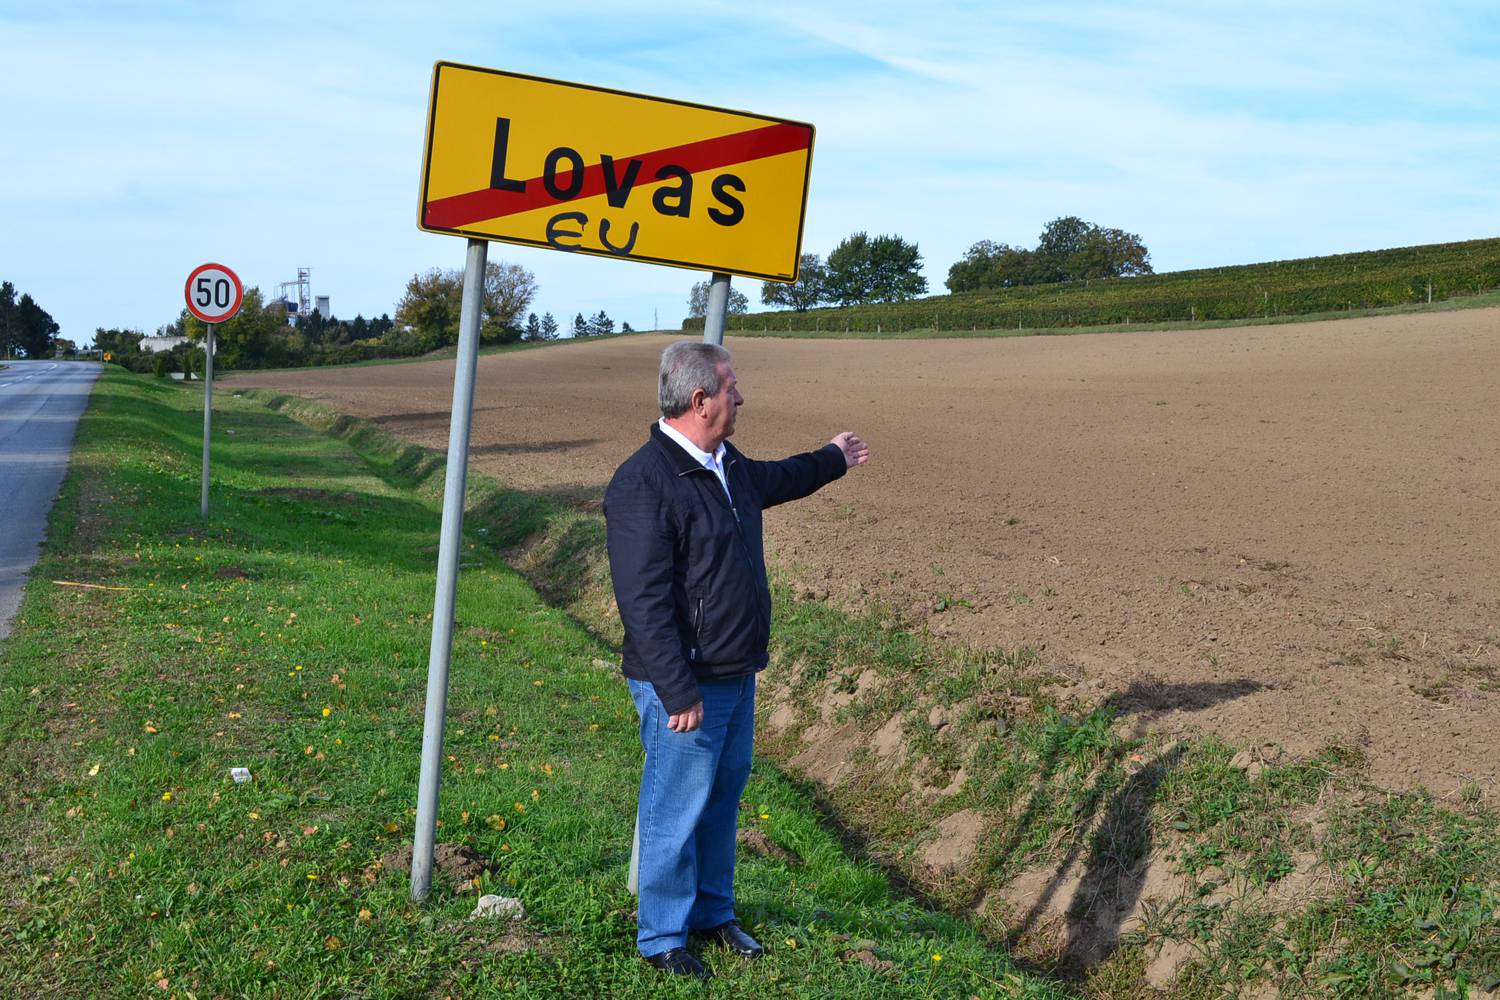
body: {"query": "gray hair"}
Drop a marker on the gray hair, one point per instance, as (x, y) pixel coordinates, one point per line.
(686, 367)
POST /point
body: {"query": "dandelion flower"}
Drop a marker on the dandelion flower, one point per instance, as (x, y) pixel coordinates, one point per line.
(791, 943)
(937, 956)
(166, 796)
(327, 711)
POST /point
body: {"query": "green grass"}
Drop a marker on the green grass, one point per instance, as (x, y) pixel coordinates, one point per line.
(288, 634)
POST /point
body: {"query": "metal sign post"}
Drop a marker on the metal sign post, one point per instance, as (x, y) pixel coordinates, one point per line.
(449, 544)
(718, 309)
(208, 411)
(214, 294)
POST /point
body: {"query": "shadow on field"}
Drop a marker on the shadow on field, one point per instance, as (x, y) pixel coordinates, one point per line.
(1112, 825)
(1149, 698)
(531, 447)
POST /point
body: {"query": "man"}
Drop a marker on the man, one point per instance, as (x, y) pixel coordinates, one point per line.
(684, 532)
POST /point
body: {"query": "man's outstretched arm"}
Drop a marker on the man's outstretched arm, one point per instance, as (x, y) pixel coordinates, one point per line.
(801, 475)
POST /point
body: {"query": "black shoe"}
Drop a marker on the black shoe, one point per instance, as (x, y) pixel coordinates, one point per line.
(679, 962)
(733, 937)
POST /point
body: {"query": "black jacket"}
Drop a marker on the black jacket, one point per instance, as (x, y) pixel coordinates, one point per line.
(689, 569)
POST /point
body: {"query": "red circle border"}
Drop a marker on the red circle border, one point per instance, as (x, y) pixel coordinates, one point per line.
(239, 292)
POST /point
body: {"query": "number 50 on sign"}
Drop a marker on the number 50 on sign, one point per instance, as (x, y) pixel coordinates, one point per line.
(214, 293)
(589, 170)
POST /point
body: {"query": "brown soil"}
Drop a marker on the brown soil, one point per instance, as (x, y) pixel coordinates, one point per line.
(459, 862)
(1283, 535)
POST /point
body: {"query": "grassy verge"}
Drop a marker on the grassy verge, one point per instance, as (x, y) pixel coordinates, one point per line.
(1197, 866)
(288, 634)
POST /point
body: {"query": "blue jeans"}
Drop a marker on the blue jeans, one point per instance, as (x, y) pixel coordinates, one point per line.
(689, 811)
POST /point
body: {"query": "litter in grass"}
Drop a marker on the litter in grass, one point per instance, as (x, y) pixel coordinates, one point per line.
(240, 774)
(502, 907)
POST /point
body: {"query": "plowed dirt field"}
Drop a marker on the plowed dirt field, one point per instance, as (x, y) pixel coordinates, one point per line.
(1285, 534)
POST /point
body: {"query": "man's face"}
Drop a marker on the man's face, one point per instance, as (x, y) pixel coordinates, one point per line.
(719, 411)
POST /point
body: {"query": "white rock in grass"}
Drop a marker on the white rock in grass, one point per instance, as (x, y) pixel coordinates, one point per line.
(503, 907)
(239, 774)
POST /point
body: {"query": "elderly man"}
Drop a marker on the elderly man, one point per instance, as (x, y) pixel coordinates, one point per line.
(684, 530)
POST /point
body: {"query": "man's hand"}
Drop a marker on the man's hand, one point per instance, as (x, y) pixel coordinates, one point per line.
(856, 452)
(687, 720)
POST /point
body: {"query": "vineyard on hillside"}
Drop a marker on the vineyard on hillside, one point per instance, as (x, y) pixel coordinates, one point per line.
(1369, 280)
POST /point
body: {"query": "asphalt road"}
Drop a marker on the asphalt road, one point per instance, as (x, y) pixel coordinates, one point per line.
(40, 402)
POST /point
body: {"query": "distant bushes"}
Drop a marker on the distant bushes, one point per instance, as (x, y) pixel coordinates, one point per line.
(1280, 288)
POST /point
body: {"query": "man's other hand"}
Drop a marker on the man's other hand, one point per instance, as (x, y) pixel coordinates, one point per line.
(687, 720)
(856, 452)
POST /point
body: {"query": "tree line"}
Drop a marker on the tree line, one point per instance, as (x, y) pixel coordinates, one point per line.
(866, 269)
(264, 335)
(28, 330)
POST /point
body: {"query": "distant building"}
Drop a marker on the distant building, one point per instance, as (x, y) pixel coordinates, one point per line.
(155, 345)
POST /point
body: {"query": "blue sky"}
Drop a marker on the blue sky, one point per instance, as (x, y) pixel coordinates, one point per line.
(141, 139)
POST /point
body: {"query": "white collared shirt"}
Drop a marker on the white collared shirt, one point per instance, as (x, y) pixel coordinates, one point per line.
(713, 463)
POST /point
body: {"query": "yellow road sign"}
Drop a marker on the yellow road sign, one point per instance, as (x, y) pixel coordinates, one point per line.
(589, 170)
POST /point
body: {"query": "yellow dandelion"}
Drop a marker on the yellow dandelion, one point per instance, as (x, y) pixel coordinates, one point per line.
(327, 711)
(937, 956)
(312, 876)
(496, 823)
(765, 815)
(166, 796)
(593, 727)
(791, 943)
(520, 808)
(504, 766)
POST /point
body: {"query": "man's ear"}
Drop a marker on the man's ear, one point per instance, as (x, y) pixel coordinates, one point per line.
(698, 397)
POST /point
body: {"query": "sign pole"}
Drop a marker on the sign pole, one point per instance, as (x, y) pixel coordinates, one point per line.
(449, 545)
(208, 409)
(718, 308)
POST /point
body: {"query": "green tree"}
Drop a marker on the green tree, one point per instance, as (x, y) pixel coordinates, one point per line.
(1070, 249)
(120, 344)
(9, 330)
(580, 326)
(989, 265)
(508, 290)
(533, 327)
(433, 303)
(601, 324)
(255, 337)
(34, 329)
(810, 288)
(698, 301)
(549, 327)
(882, 269)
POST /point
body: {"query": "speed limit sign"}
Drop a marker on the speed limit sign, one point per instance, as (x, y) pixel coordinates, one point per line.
(214, 293)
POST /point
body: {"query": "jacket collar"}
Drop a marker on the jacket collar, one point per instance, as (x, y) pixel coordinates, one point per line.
(682, 462)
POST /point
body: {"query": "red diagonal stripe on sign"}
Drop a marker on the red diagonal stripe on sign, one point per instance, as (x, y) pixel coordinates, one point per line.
(461, 210)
